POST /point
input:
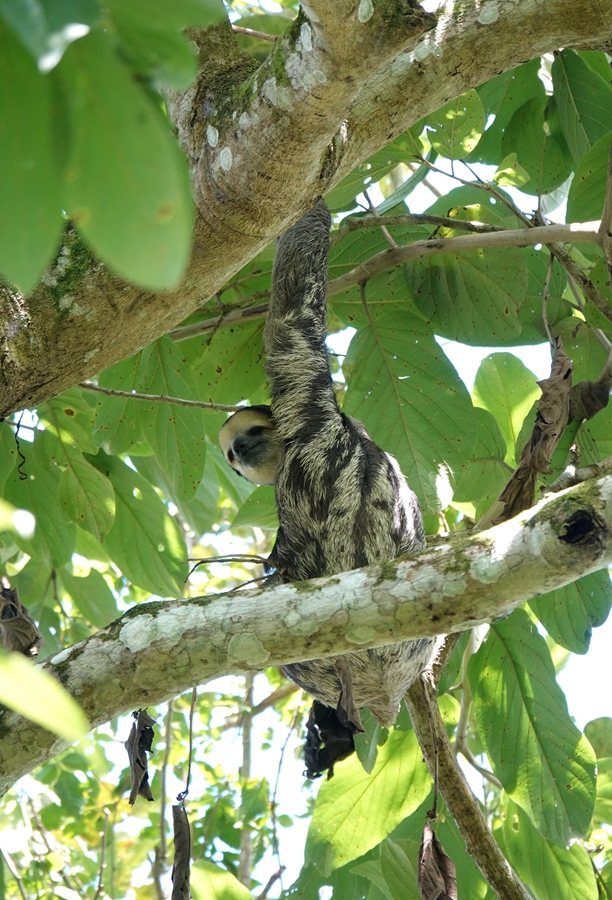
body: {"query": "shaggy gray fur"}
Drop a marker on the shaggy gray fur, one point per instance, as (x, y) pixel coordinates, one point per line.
(342, 501)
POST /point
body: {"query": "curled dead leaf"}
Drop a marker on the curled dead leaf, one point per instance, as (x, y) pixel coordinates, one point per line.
(436, 874)
(138, 744)
(182, 854)
(18, 630)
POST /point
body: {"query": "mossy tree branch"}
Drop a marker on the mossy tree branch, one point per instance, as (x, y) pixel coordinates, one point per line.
(159, 649)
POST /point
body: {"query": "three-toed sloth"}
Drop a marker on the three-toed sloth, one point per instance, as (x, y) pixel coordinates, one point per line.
(342, 502)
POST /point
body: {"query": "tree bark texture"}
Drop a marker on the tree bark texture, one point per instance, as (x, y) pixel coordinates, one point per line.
(159, 649)
(263, 143)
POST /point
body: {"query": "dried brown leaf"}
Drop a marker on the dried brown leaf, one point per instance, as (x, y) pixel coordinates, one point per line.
(138, 744)
(551, 419)
(182, 854)
(587, 398)
(18, 631)
(436, 876)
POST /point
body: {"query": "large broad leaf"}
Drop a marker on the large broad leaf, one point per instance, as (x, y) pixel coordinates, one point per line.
(501, 97)
(30, 209)
(126, 185)
(46, 27)
(551, 872)
(396, 786)
(584, 102)
(588, 189)
(529, 136)
(174, 433)
(486, 473)
(414, 403)
(54, 536)
(455, 129)
(544, 763)
(92, 597)
(70, 417)
(403, 149)
(86, 495)
(599, 733)
(151, 36)
(570, 613)
(603, 802)
(209, 882)
(258, 510)
(39, 697)
(508, 389)
(116, 421)
(399, 872)
(145, 541)
(229, 367)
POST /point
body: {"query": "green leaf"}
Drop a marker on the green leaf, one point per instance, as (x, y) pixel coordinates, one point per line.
(529, 136)
(86, 495)
(455, 129)
(544, 763)
(586, 194)
(126, 185)
(372, 871)
(39, 697)
(402, 150)
(551, 872)
(70, 417)
(399, 872)
(508, 389)
(570, 613)
(54, 536)
(92, 597)
(486, 473)
(209, 882)
(30, 209)
(416, 407)
(258, 510)
(584, 102)
(174, 433)
(367, 743)
(145, 541)
(501, 97)
(398, 783)
(599, 733)
(176, 15)
(603, 802)
(116, 420)
(46, 27)
(230, 368)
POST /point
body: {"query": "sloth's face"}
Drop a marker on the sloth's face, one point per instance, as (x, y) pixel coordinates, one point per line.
(250, 445)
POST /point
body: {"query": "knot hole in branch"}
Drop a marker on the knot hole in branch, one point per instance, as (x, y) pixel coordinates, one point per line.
(584, 527)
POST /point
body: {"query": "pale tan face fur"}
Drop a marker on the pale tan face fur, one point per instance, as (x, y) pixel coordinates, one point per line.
(250, 445)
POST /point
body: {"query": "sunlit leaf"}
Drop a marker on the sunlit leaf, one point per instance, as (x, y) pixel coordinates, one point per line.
(415, 405)
(455, 129)
(586, 194)
(209, 882)
(544, 763)
(30, 209)
(39, 697)
(398, 783)
(584, 102)
(123, 157)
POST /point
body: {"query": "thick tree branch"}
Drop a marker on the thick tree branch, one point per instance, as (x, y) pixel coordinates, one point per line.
(263, 143)
(159, 649)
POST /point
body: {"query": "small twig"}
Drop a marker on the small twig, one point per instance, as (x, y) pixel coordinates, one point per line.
(158, 398)
(285, 690)
(183, 794)
(10, 866)
(568, 479)
(384, 230)
(160, 858)
(488, 776)
(545, 301)
(250, 32)
(354, 223)
(270, 882)
(100, 886)
(275, 843)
